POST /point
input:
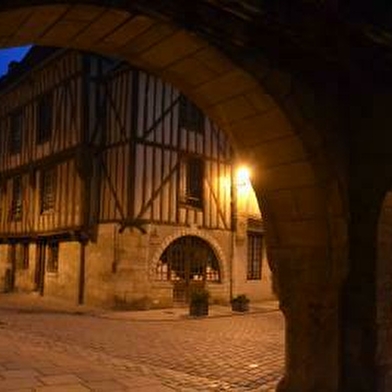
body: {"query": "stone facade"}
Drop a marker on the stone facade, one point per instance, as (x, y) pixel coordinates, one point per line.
(112, 262)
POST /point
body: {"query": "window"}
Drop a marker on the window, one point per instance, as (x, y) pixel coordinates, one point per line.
(255, 255)
(44, 118)
(17, 199)
(191, 117)
(194, 178)
(15, 136)
(3, 195)
(53, 257)
(48, 190)
(188, 259)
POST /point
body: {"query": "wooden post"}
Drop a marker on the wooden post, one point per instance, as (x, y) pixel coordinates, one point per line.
(82, 272)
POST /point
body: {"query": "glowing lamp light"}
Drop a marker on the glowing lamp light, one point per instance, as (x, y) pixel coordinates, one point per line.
(243, 177)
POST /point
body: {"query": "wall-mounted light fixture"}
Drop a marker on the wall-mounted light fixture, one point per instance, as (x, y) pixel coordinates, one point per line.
(243, 177)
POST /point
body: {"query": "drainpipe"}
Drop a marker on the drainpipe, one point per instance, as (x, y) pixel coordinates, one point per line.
(82, 272)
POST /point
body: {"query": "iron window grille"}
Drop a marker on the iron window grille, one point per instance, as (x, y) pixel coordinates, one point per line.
(17, 199)
(190, 259)
(190, 116)
(15, 136)
(48, 190)
(255, 255)
(53, 257)
(45, 118)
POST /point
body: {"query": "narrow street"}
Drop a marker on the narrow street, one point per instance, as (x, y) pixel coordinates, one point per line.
(49, 350)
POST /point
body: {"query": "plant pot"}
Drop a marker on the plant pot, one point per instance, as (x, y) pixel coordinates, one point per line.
(198, 309)
(240, 306)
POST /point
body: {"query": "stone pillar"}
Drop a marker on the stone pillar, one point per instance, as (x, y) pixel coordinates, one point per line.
(359, 305)
(311, 341)
(384, 294)
(308, 291)
(359, 329)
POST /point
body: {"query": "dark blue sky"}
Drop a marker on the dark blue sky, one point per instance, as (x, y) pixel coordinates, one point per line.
(11, 54)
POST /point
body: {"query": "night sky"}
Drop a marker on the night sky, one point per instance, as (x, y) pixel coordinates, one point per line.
(12, 54)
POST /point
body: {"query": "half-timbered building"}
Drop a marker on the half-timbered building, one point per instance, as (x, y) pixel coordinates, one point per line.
(115, 189)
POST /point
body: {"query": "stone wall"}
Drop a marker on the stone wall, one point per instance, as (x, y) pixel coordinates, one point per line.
(24, 278)
(64, 283)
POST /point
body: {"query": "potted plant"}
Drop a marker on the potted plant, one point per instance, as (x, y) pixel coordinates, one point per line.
(198, 302)
(240, 303)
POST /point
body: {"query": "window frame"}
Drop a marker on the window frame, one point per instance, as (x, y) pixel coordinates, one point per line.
(15, 129)
(17, 199)
(190, 117)
(255, 246)
(47, 190)
(193, 182)
(44, 119)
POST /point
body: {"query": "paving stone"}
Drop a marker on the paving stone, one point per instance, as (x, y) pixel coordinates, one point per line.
(63, 388)
(18, 383)
(105, 385)
(18, 373)
(60, 379)
(73, 352)
(50, 370)
(94, 376)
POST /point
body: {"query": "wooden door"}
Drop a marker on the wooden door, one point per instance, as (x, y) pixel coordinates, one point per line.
(40, 268)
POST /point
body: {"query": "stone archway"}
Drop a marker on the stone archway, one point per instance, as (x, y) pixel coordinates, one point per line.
(297, 186)
(188, 262)
(221, 257)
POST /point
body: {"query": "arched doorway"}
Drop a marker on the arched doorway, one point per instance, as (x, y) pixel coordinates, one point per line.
(189, 262)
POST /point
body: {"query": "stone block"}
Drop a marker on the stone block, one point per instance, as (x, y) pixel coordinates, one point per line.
(261, 101)
(191, 70)
(303, 233)
(291, 175)
(278, 151)
(283, 204)
(261, 127)
(62, 32)
(84, 13)
(11, 21)
(214, 60)
(101, 27)
(310, 202)
(173, 48)
(149, 38)
(235, 109)
(128, 31)
(225, 86)
(60, 379)
(39, 20)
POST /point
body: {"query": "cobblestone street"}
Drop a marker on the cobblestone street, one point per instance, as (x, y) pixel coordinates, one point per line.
(49, 350)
